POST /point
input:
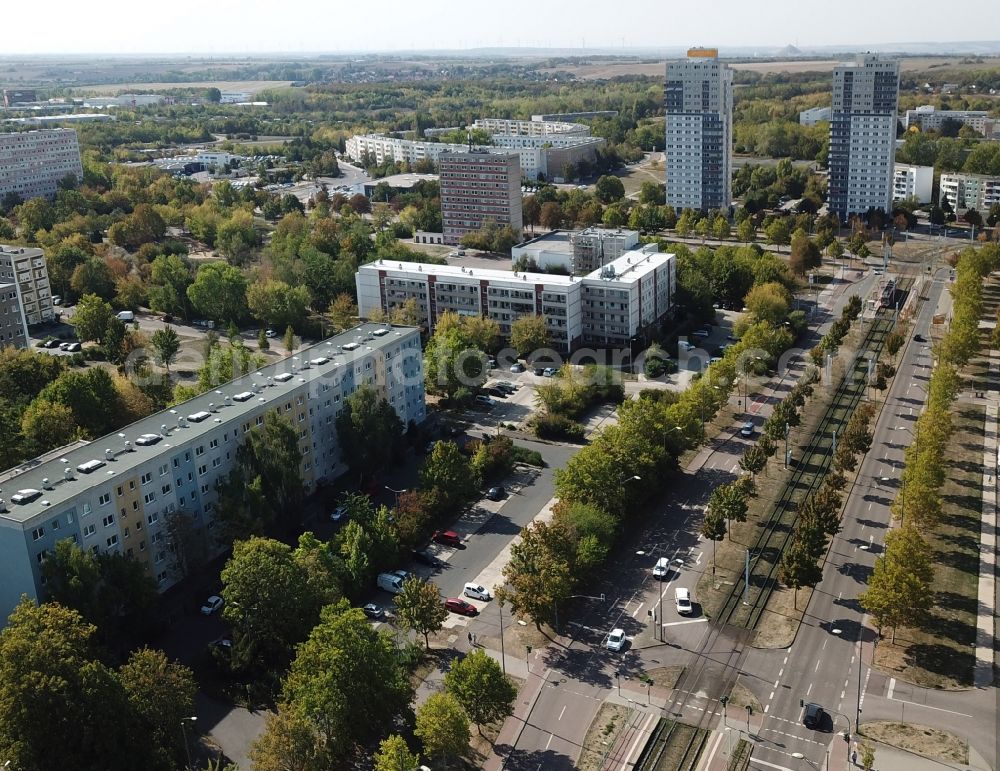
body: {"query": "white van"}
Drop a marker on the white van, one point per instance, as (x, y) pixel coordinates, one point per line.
(390, 582)
(125, 316)
(682, 601)
(477, 592)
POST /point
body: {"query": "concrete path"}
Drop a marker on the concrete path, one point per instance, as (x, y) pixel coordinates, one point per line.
(985, 649)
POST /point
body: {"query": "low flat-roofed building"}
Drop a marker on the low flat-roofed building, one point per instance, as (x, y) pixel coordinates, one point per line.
(576, 251)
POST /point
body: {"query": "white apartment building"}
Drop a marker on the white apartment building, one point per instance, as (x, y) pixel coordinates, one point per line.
(477, 187)
(912, 182)
(969, 191)
(605, 308)
(926, 118)
(863, 135)
(531, 128)
(32, 163)
(541, 156)
(118, 493)
(813, 116)
(698, 99)
(25, 268)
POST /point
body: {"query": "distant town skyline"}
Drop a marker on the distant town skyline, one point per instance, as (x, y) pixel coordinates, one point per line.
(310, 26)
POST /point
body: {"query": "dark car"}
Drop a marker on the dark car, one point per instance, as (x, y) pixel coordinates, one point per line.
(919, 339)
(460, 606)
(447, 538)
(540, 371)
(424, 557)
(812, 715)
(496, 493)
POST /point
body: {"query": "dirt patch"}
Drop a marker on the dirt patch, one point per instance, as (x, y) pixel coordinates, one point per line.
(741, 696)
(601, 735)
(780, 620)
(664, 677)
(921, 739)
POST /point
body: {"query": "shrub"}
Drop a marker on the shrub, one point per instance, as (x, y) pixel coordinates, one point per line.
(556, 426)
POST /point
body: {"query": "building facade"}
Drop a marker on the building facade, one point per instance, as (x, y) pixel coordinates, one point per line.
(970, 191)
(24, 267)
(863, 135)
(926, 118)
(118, 493)
(32, 163)
(815, 115)
(912, 182)
(531, 128)
(13, 329)
(477, 187)
(698, 99)
(607, 307)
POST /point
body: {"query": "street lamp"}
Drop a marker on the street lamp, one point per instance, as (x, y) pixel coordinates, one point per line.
(397, 492)
(503, 656)
(187, 749)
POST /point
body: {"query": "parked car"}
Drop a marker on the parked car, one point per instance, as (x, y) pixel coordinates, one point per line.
(747, 429)
(517, 367)
(56, 300)
(374, 611)
(492, 363)
(74, 348)
(389, 582)
(507, 386)
(496, 493)
(447, 538)
(919, 339)
(484, 401)
(424, 557)
(460, 606)
(684, 345)
(497, 393)
(812, 715)
(549, 372)
(212, 604)
(616, 640)
(682, 601)
(52, 344)
(477, 592)
(268, 333)
(125, 316)
(404, 575)
(662, 568)
(64, 346)
(338, 513)
(539, 371)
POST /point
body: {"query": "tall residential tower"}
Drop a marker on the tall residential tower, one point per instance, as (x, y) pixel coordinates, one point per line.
(863, 135)
(477, 187)
(699, 107)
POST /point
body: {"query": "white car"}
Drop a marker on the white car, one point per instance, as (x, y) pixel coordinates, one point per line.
(682, 601)
(338, 513)
(662, 568)
(212, 604)
(616, 640)
(516, 367)
(477, 592)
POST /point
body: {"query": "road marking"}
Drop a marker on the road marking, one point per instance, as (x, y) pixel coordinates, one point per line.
(691, 621)
(816, 668)
(842, 695)
(561, 712)
(936, 709)
(715, 747)
(769, 765)
(808, 690)
(697, 560)
(840, 595)
(549, 741)
(781, 672)
(735, 466)
(637, 610)
(767, 707)
(824, 644)
(770, 697)
(776, 683)
(892, 687)
(785, 660)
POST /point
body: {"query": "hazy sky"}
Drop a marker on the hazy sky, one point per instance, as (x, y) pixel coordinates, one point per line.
(244, 26)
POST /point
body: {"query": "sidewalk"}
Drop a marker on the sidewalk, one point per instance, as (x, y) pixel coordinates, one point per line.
(983, 676)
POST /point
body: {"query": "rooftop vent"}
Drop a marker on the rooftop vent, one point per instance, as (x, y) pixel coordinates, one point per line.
(67, 474)
(108, 455)
(145, 440)
(197, 417)
(284, 377)
(182, 422)
(319, 361)
(351, 346)
(27, 495)
(243, 396)
(45, 484)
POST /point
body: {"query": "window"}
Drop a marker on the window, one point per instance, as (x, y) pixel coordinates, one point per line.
(213, 444)
(165, 489)
(108, 520)
(89, 530)
(125, 533)
(204, 489)
(138, 524)
(149, 497)
(104, 500)
(151, 518)
(176, 463)
(131, 485)
(37, 533)
(120, 490)
(142, 546)
(54, 524)
(147, 477)
(112, 541)
(216, 462)
(86, 509)
(199, 450)
(202, 470)
(161, 576)
(163, 469)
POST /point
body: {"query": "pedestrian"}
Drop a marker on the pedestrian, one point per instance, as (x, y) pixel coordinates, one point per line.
(854, 758)
(470, 638)
(474, 641)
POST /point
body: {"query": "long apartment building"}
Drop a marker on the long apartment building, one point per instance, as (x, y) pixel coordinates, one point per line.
(25, 268)
(540, 155)
(13, 328)
(477, 187)
(607, 307)
(969, 191)
(118, 493)
(32, 163)
(698, 100)
(926, 118)
(532, 128)
(863, 135)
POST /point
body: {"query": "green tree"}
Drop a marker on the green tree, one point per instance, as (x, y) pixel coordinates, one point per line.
(768, 302)
(290, 742)
(91, 395)
(713, 527)
(219, 292)
(269, 605)
(609, 189)
(805, 254)
(778, 232)
(442, 726)
(263, 344)
(277, 304)
(92, 318)
(47, 424)
(746, 230)
(93, 277)
(539, 572)
(867, 756)
(369, 432)
(531, 211)
(342, 651)
(728, 502)
(753, 461)
(343, 312)
(651, 193)
(528, 334)
(419, 607)
(170, 277)
(161, 694)
(799, 566)
(481, 688)
(166, 343)
(447, 475)
(394, 755)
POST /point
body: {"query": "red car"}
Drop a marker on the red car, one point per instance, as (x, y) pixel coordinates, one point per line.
(460, 606)
(447, 538)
